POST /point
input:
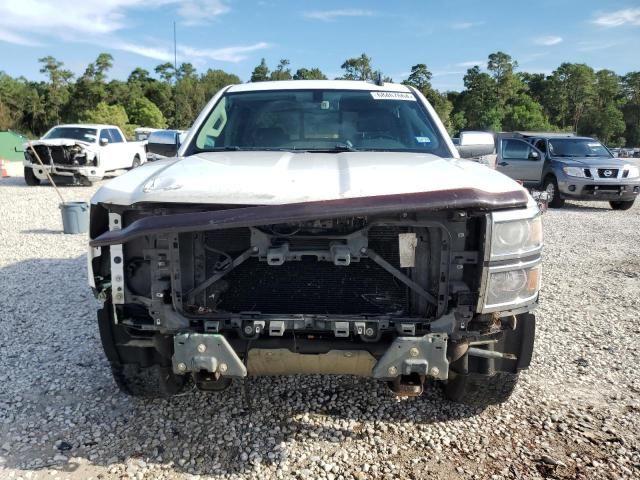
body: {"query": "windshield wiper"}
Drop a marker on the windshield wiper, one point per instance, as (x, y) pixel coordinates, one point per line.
(337, 148)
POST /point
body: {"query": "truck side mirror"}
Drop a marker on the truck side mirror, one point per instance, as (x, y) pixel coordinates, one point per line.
(533, 155)
(476, 144)
(164, 143)
(104, 142)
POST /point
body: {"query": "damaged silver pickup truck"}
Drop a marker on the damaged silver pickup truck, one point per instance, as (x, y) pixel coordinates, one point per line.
(317, 227)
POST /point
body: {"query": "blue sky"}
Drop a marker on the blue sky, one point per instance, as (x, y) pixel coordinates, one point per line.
(234, 34)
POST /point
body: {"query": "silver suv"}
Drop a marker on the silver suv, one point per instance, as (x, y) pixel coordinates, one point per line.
(568, 167)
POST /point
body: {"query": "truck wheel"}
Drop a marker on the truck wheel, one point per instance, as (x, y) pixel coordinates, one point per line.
(30, 178)
(479, 390)
(622, 205)
(136, 162)
(138, 371)
(551, 187)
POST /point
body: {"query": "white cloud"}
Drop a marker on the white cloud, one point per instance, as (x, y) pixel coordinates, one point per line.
(199, 11)
(186, 53)
(471, 63)
(86, 19)
(627, 16)
(98, 23)
(328, 15)
(446, 73)
(149, 52)
(16, 39)
(227, 54)
(465, 25)
(547, 40)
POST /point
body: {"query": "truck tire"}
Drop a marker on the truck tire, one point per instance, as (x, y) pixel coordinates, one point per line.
(30, 178)
(621, 205)
(479, 390)
(137, 371)
(147, 382)
(136, 162)
(551, 187)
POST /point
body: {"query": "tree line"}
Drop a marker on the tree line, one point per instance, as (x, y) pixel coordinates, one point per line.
(499, 97)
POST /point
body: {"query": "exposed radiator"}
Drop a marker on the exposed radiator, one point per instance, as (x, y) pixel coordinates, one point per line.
(310, 286)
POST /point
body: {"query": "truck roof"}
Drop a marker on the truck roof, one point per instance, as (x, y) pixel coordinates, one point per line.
(85, 125)
(317, 85)
(548, 134)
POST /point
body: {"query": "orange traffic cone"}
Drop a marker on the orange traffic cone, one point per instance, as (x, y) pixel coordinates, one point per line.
(3, 169)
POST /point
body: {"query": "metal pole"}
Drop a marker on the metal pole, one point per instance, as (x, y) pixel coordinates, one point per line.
(46, 171)
(175, 73)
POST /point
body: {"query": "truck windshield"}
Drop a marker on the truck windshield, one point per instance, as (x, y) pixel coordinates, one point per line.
(73, 133)
(320, 121)
(577, 147)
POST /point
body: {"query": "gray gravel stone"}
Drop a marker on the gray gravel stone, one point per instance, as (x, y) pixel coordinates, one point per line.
(578, 404)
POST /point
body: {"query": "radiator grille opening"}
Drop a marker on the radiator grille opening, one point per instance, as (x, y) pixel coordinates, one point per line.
(309, 286)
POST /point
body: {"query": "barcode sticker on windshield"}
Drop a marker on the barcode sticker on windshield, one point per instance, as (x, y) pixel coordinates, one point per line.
(393, 96)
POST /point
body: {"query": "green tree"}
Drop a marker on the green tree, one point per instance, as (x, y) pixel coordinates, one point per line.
(282, 71)
(166, 72)
(108, 114)
(571, 93)
(631, 107)
(144, 112)
(501, 67)
(479, 101)
(309, 74)
(90, 89)
(261, 72)
(605, 118)
(57, 91)
(358, 68)
(213, 80)
(524, 113)
(420, 77)
(139, 75)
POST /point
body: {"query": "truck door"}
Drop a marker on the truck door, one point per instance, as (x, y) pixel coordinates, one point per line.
(122, 157)
(107, 154)
(520, 160)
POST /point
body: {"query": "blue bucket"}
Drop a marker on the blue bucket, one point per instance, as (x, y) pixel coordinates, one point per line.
(75, 217)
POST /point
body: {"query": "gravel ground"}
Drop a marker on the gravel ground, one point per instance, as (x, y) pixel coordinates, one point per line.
(575, 413)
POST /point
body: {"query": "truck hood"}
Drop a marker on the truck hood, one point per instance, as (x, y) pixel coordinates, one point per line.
(591, 161)
(277, 178)
(61, 142)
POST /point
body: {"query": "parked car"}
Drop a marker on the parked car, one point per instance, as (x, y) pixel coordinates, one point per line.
(323, 227)
(568, 167)
(83, 152)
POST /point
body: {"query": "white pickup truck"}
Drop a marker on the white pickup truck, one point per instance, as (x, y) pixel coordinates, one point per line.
(83, 151)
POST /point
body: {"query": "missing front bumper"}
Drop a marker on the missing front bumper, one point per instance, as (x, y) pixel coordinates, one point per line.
(424, 356)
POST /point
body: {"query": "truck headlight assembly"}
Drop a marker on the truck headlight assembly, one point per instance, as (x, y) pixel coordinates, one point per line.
(516, 238)
(512, 272)
(632, 170)
(574, 172)
(512, 286)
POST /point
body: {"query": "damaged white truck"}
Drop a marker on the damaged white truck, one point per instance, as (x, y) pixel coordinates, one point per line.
(317, 227)
(83, 153)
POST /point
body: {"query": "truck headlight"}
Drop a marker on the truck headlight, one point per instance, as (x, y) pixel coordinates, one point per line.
(511, 286)
(574, 171)
(512, 272)
(515, 238)
(633, 171)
